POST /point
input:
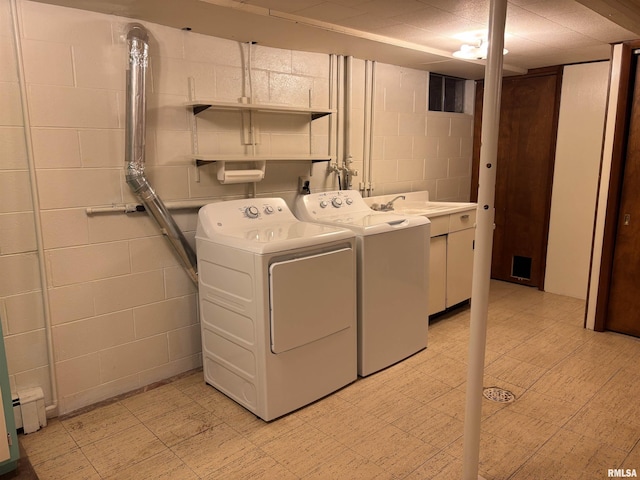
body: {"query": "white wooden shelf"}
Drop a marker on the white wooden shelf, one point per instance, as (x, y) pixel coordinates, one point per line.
(201, 105)
(206, 159)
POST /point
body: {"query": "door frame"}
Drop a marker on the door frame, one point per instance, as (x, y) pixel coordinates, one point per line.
(618, 156)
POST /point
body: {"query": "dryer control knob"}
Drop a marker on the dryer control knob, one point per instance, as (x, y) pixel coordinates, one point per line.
(349, 201)
(336, 202)
(268, 210)
(323, 204)
(251, 212)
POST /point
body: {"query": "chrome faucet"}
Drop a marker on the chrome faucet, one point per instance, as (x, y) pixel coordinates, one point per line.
(385, 207)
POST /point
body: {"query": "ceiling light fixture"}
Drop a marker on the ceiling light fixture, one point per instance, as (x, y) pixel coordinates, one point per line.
(475, 52)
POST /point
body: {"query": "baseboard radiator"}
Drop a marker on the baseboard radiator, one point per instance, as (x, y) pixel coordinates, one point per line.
(29, 410)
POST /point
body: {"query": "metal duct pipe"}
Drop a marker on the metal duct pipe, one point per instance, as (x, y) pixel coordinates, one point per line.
(138, 41)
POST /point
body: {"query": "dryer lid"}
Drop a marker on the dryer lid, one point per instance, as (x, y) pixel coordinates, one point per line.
(261, 226)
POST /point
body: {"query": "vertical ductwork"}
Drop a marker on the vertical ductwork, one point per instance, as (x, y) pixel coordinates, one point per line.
(135, 130)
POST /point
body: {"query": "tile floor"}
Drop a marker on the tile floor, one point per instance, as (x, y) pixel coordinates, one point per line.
(576, 413)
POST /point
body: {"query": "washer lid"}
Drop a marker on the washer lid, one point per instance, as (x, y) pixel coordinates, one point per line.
(346, 208)
(262, 226)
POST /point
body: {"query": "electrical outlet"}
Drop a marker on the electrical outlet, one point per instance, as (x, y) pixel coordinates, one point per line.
(304, 185)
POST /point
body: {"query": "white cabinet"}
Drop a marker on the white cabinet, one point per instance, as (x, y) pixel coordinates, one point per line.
(459, 266)
(451, 256)
(437, 274)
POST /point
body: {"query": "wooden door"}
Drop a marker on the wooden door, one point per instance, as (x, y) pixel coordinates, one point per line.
(526, 153)
(623, 312)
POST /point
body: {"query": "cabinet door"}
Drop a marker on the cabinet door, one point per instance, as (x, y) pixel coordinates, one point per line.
(459, 266)
(437, 274)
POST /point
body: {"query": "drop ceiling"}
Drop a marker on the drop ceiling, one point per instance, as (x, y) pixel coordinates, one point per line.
(420, 34)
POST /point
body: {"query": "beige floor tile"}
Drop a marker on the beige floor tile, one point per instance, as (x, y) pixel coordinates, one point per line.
(441, 466)
(498, 456)
(347, 424)
(163, 466)
(451, 403)
(514, 371)
(259, 432)
(633, 459)
(540, 466)
(123, 450)
(48, 443)
(189, 380)
(213, 449)
(255, 465)
(606, 426)
(349, 464)
(527, 432)
(156, 402)
(388, 405)
(544, 407)
(303, 449)
(573, 455)
(419, 386)
(497, 341)
(394, 450)
(71, 465)
(100, 423)
(564, 387)
(620, 394)
(178, 425)
(576, 413)
(544, 350)
(439, 430)
(446, 370)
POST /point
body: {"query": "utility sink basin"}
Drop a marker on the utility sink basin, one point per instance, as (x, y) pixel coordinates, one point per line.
(417, 203)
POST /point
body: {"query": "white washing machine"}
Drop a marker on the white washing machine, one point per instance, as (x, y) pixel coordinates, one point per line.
(277, 305)
(393, 266)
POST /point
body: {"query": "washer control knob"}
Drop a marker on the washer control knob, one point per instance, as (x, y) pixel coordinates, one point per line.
(336, 202)
(252, 211)
(268, 210)
(349, 201)
(323, 204)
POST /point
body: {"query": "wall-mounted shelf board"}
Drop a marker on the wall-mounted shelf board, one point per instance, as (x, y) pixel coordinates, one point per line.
(206, 159)
(201, 105)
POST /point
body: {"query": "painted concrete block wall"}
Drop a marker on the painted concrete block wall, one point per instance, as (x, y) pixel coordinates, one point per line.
(576, 173)
(415, 149)
(21, 307)
(122, 308)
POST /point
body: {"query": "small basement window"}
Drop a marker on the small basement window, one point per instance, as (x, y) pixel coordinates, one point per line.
(446, 94)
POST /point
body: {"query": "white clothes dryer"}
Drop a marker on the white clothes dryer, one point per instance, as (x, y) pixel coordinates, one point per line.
(393, 266)
(277, 305)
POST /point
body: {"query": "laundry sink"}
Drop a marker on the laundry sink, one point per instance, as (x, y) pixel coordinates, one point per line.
(417, 203)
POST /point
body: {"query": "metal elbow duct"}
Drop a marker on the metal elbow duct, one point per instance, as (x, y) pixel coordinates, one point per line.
(135, 130)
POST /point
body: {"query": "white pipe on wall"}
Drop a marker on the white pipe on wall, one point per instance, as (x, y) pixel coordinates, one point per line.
(348, 103)
(52, 409)
(367, 125)
(373, 123)
(483, 239)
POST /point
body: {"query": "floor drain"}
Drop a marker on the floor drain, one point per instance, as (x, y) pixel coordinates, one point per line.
(499, 395)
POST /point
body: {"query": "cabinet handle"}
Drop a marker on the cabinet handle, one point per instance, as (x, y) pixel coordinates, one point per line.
(464, 217)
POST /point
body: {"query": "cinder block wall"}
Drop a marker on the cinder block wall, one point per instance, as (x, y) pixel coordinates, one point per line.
(123, 310)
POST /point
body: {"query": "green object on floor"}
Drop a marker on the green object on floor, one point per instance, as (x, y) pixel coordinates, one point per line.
(10, 463)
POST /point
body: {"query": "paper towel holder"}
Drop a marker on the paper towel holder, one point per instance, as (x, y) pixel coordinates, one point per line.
(251, 175)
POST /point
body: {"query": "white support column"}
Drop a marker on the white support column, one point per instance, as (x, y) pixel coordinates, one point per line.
(484, 238)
